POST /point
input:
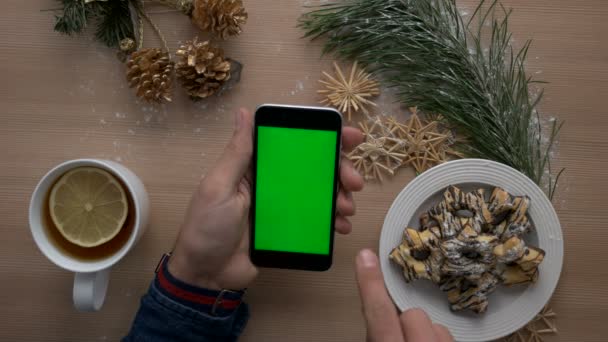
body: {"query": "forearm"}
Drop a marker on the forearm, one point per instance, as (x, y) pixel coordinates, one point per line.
(173, 310)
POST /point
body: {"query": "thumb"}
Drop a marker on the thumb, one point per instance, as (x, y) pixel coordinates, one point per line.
(234, 162)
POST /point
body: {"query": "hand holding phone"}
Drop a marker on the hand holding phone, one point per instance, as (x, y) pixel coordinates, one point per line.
(212, 250)
(296, 172)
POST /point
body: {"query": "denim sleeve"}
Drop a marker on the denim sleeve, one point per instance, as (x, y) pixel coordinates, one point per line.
(175, 311)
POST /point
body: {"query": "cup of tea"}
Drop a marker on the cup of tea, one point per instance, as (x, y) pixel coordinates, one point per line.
(85, 215)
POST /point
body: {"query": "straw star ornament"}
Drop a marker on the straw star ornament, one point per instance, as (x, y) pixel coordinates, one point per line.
(390, 144)
(378, 154)
(426, 144)
(349, 95)
(536, 330)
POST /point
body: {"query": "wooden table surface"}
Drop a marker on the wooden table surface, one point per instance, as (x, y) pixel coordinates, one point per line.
(65, 98)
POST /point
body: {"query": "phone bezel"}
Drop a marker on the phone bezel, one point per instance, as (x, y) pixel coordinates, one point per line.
(320, 118)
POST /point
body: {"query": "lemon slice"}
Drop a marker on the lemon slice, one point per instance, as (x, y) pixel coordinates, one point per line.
(88, 206)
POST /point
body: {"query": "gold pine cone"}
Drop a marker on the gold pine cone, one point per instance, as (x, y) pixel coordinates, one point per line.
(221, 17)
(201, 68)
(149, 71)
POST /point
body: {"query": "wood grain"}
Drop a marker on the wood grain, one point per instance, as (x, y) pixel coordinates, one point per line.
(65, 98)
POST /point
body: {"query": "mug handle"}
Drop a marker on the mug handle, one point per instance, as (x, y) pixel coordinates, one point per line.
(90, 290)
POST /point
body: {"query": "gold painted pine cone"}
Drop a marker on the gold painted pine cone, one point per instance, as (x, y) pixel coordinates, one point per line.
(201, 68)
(149, 72)
(221, 17)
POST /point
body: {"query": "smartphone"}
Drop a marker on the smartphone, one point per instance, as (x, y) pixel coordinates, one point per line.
(296, 158)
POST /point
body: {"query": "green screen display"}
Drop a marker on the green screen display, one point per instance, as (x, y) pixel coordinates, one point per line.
(294, 189)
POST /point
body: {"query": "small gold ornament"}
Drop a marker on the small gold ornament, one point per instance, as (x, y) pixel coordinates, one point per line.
(201, 68)
(536, 330)
(149, 71)
(127, 45)
(349, 95)
(221, 17)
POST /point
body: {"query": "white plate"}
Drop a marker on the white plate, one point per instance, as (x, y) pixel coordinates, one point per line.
(509, 308)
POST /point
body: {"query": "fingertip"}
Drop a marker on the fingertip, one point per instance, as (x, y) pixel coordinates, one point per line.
(243, 119)
(351, 137)
(415, 314)
(343, 225)
(442, 333)
(357, 180)
(245, 111)
(346, 204)
(350, 178)
(367, 258)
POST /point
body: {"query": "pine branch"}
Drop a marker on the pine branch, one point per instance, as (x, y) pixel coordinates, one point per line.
(113, 18)
(115, 23)
(466, 70)
(75, 17)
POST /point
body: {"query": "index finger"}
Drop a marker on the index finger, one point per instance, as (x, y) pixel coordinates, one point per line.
(351, 137)
(378, 309)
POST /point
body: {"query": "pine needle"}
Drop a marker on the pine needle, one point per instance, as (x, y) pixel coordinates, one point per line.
(466, 70)
(115, 23)
(75, 17)
(113, 19)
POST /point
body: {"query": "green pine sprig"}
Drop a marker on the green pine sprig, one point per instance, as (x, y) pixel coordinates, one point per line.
(115, 23)
(76, 16)
(467, 70)
(113, 19)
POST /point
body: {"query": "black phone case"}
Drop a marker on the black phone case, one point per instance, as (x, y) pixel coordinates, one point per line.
(306, 118)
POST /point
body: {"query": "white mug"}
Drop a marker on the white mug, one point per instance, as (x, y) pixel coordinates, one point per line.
(91, 277)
